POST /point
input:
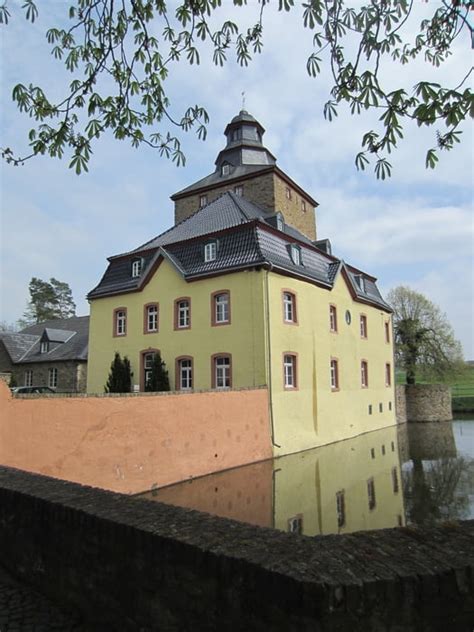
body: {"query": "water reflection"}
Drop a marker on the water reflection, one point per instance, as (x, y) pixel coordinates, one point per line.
(386, 478)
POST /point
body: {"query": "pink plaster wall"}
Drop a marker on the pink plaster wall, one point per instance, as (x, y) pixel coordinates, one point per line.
(131, 444)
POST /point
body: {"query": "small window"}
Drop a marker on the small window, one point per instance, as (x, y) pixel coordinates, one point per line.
(225, 169)
(395, 485)
(295, 524)
(288, 193)
(28, 378)
(363, 326)
(390, 405)
(237, 134)
(53, 378)
(44, 347)
(371, 493)
(340, 509)
(388, 374)
(136, 267)
(333, 319)
(222, 371)
(387, 332)
(210, 251)
(364, 374)
(151, 318)
(182, 313)
(239, 190)
(221, 308)
(289, 307)
(348, 317)
(334, 374)
(370, 409)
(280, 222)
(303, 206)
(380, 407)
(372, 452)
(295, 252)
(202, 200)
(120, 322)
(383, 449)
(184, 374)
(289, 371)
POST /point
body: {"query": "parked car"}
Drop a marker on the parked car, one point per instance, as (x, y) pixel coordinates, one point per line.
(32, 389)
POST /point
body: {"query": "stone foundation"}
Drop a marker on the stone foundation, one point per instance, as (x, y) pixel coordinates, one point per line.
(428, 402)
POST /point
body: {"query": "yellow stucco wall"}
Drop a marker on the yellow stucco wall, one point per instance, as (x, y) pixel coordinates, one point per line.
(314, 414)
(243, 337)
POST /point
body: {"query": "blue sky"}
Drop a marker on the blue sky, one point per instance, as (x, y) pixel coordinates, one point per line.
(415, 229)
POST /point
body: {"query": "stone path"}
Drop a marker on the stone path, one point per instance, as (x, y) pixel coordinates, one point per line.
(24, 610)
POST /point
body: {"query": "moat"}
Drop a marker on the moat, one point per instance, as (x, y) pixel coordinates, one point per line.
(411, 474)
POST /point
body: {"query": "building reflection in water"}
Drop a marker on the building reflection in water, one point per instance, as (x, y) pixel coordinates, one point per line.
(346, 486)
(387, 478)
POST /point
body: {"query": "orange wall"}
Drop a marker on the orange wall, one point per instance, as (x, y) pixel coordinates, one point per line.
(131, 444)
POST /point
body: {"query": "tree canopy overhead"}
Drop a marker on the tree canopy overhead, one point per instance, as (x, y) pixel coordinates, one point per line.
(424, 339)
(135, 42)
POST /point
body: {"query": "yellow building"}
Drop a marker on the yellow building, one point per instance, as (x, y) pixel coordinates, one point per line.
(240, 294)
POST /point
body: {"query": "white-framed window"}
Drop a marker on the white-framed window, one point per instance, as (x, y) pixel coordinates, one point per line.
(371, 493)
(289, 307)
(185, 372)
(334, 374)
(210, 251)
(295, 252)
(120, 322)
(222, 372)
(364, 374)
(148, 359)
(151, 318)
(363, 326)
(289, 370)
(44, 347)
(333, 318)
(52, 378)
(202, 200)
(136, 267)
(239, 190)
(340, 509)
(28, 378)
(359, 279)
(221, 308)
(225, 169)
(183, 314)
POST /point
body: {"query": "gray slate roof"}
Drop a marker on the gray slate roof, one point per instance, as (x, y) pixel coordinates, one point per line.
(246, 238)
(69, 338)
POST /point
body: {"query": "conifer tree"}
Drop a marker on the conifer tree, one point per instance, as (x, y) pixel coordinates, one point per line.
(158, 380)
(120, 376)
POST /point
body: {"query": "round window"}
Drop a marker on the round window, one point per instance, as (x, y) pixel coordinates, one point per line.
(348, 317)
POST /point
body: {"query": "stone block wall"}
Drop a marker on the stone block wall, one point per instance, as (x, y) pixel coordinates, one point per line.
(428, 402)
(401, 403)
(129, 564)
(72, 375)
(292, 208)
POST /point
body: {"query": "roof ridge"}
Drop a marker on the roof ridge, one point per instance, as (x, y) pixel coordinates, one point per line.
(234, 197)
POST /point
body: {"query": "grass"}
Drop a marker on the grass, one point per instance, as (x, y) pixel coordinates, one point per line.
(461, 386)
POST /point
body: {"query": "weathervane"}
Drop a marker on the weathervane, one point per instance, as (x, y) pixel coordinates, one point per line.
(243, 100)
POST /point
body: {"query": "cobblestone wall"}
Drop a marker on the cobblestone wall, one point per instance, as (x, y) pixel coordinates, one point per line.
(145, 566)
(428, 402)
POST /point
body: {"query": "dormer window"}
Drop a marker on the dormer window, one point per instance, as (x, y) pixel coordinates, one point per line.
(210, 251)
(225, 169)
(239, 190)
(44, 347)
(280, 222)
(359, 279)
(136, 267)
(202, 201)
(295, 254)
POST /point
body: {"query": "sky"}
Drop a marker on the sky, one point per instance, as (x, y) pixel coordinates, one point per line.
(415, 229)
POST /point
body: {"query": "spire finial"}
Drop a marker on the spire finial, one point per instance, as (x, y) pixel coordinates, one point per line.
(243, 100)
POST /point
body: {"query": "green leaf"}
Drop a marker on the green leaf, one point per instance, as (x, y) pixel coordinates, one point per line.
(431, 159)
